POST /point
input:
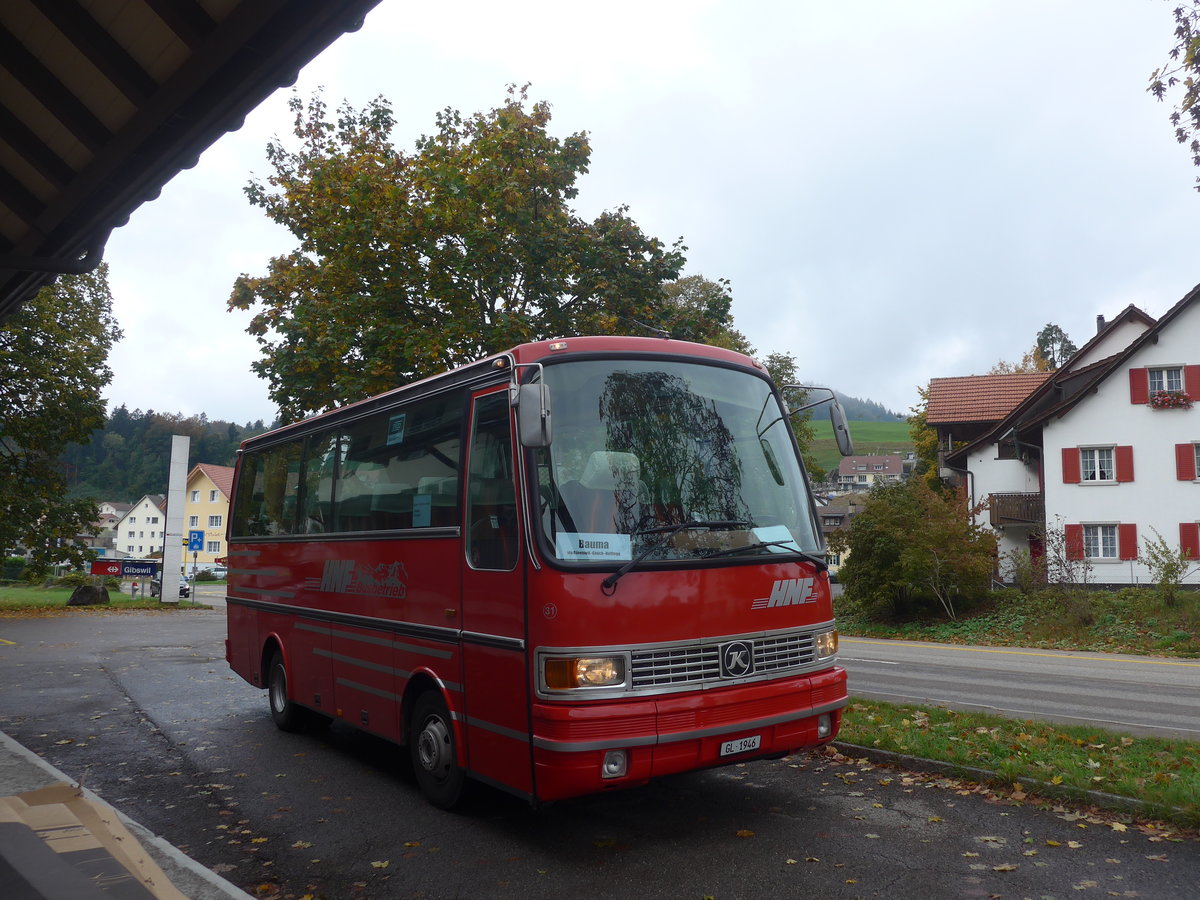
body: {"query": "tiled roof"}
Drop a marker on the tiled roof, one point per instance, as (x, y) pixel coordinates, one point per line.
(221, 476)
(979, 398)
(890, 464)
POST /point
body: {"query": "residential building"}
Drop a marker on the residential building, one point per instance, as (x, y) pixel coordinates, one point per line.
(861, 473)
(139, 532)
(836, 515)
(1105, 453)
(206, 508)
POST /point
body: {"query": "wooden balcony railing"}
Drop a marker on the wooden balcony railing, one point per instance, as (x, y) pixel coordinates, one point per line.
(1017, 509)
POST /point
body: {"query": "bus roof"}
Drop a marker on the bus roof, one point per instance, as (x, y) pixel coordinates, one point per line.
(523, 354)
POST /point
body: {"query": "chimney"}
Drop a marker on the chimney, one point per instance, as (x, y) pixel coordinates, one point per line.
(1099, 324)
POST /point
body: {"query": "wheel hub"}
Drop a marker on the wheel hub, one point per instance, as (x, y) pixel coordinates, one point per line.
(433, 747)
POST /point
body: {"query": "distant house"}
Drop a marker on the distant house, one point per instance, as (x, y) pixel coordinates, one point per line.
(1106, 451)
(206, 508)
(837, 515)
(140, 531)
(861, 473)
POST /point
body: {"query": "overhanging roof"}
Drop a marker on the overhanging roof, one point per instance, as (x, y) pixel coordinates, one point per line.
(102, 102)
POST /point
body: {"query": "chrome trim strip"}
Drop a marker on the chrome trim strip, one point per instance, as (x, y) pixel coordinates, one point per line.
(267, 592)
(472, 722)
(497, 641)
(402, 534)
(367, 689)
(676, 737)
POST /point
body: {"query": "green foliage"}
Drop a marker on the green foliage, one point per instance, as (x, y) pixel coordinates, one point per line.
(14, 568)
(53, 366)
(129, 455)
(911, 549)
(1168, 566)
(782, 368)
(411, 263)
(925, 443)
(1182, 72)
(1053, 348)
(698, 309)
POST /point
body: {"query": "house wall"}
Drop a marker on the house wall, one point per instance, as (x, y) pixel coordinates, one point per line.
(1155, 500)
(209, 515)
(1116, 340)
(140, 531)
(991, 475)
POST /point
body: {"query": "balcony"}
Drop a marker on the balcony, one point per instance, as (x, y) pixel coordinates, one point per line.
(1017, 509)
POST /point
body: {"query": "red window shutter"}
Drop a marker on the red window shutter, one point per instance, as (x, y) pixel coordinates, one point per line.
(1139, 386)
(1127, 541)
(1070, 463)
(1189, 539)
(1124, 457)
(1074, 535)
(1191, 381)
(1185, 462)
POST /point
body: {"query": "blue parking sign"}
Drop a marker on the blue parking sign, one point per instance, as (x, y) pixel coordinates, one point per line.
(195, 540)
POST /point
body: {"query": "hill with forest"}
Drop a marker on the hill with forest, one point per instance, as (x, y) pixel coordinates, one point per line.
(130, 456)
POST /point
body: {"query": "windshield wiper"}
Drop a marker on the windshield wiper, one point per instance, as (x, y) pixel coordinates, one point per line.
(819, 561)
(667, 532)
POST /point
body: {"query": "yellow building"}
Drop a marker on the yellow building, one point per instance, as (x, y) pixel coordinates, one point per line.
(206, 508)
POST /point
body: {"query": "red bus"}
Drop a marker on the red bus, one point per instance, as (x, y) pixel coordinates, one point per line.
(570, 567)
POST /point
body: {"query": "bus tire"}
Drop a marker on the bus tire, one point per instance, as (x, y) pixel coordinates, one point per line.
(435, 752)
(288, 716)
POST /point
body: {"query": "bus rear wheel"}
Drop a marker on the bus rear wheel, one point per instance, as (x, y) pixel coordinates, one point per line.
(435, 752)
(288, 716)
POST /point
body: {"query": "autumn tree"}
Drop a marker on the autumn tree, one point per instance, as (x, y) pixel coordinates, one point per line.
(1054, 346)
(1181, 75)
(53, 366)
(782, 368)
(411, 263)
(1031, 362)
(699, 309)
(912, 549)
(925, 444)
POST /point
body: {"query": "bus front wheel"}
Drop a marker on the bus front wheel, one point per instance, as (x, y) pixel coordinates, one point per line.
(287, 715)
(435, 753)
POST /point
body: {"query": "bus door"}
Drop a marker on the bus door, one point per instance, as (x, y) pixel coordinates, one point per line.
(495, 663)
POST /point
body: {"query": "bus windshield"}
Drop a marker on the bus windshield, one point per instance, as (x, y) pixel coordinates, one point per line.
(662, 461)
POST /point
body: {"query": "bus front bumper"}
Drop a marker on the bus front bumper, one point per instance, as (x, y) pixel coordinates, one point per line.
(584, 748)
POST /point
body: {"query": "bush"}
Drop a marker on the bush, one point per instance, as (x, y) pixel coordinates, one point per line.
(14, 568)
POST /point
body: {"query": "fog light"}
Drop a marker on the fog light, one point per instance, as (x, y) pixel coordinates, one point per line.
(615, 764)
(824, 726)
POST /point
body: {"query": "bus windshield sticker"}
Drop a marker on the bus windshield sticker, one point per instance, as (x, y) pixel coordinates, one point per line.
(584, 546)
(396, 429)
(422, 510)
(779, 537)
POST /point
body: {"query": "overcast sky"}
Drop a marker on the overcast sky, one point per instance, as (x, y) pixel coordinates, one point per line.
(897, 191)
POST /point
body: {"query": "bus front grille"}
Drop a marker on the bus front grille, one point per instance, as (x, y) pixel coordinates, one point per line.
(701, 662)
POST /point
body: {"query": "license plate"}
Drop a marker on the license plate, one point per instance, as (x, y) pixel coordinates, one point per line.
(741, 745)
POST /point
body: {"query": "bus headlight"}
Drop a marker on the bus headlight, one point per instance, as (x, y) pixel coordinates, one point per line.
(827, 644)
(567, 673)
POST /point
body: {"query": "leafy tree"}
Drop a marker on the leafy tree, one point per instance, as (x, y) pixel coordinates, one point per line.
(925, 444)
(911, 547)
(53, 365)
(1054, 347)
(782, 368)
(410, 263)
(698, 309)
(1032, 361)
(1168, 566)
(1183, 71)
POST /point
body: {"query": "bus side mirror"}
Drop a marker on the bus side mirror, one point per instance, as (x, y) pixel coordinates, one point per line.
(533, 415)
(841, 428)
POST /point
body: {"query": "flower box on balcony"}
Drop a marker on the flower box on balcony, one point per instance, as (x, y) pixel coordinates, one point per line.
(1171, 400)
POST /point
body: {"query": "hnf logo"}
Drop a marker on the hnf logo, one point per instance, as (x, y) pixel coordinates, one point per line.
(788, 592)
(737, 659)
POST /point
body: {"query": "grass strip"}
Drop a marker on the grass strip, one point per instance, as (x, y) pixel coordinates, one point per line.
(19, 600)
(1088, 764)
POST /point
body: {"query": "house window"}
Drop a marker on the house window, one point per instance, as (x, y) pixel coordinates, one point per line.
(1100, 541)
(1096, 464)
(193, 521)
(195, 496)
(214, 521)
(213, 547)
(154, 520)
(130, 534)
(1166, 380)
(141, 534)
(831, 520)
(862, 479)
(154, 534)
(133, 520)
(212, 496)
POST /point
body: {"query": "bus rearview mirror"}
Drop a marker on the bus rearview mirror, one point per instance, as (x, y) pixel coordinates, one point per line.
(533, 415)
(841, 428)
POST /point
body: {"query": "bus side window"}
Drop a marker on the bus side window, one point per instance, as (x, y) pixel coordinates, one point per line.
(491, 498)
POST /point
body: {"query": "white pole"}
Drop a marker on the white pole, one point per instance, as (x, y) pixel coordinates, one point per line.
(173, 536)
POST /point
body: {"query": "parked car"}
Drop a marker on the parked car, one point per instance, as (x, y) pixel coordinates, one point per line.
(156, 588)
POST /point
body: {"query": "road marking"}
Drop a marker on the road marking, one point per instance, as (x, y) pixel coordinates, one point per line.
(10, 643)
(1137, 660)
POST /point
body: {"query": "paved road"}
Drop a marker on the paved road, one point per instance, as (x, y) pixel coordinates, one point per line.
(1150, 696)
(144, 708)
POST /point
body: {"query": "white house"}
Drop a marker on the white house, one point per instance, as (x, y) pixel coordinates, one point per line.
(139, 533)
(1106, 451)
